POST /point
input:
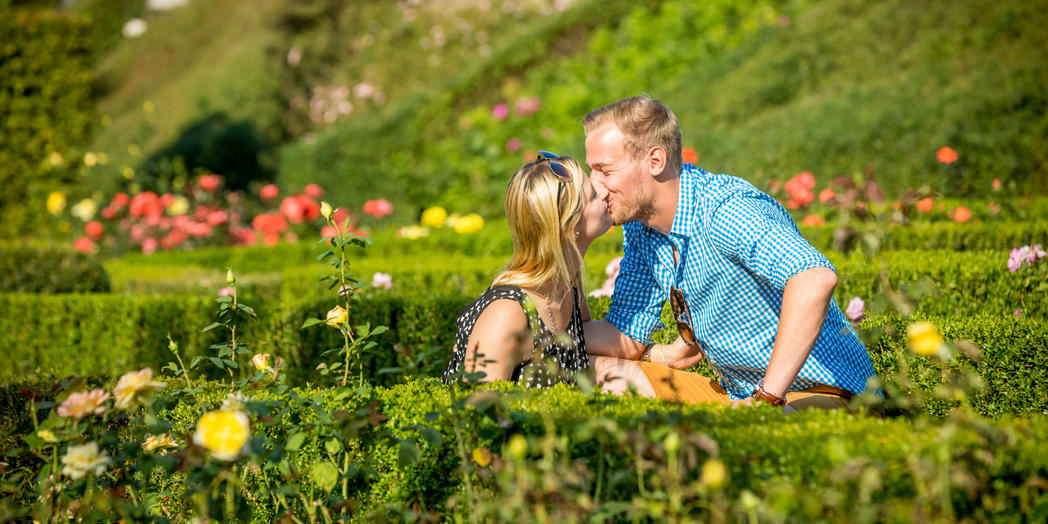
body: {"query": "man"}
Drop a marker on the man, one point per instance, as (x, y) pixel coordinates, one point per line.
(754, 297)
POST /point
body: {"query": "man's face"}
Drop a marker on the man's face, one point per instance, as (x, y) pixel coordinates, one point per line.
(616, 175)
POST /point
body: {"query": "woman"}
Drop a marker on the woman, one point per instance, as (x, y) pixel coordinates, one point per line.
(527, 327)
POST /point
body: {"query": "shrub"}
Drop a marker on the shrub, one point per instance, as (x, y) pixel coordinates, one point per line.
(575, 455)
(113, 333)
(45, 62)
(31, 269)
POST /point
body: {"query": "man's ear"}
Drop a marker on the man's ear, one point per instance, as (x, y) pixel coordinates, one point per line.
(656, 161)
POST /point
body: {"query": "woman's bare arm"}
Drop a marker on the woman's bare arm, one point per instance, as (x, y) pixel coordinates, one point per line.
(500, 341)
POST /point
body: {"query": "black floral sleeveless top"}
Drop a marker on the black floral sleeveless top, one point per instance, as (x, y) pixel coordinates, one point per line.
(554, 359)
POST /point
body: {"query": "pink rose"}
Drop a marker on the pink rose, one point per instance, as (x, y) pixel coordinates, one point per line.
(854, 311)
(500, 111)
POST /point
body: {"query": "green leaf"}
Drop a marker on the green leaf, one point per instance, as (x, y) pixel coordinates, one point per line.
(333, 446)
(409, 455)
(379, 330)
(324, 475)
(311, 322)
(325, 255)
(294, 442)
(217, 362)
(431, 436)
(211, 326)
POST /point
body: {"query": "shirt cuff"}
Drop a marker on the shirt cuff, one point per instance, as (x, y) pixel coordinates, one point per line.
(638, 326)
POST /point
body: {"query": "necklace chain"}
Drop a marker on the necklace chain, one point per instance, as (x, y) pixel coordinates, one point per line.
(549, 311)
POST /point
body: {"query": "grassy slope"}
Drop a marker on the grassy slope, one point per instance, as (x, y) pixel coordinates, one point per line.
(204, 57)
(852, 84)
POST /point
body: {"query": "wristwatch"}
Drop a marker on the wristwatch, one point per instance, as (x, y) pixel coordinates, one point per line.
(760, 394)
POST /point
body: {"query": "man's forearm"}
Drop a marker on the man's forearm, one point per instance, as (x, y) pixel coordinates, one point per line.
(604, 339)
(805, 301)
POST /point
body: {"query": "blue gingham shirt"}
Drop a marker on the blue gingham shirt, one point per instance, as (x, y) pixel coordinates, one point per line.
(737, 248)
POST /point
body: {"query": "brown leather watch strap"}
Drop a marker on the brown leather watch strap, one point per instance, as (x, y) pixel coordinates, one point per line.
(762, 395)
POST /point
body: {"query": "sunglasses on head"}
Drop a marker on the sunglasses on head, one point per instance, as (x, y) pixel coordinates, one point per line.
(558, 168)
(563, 175)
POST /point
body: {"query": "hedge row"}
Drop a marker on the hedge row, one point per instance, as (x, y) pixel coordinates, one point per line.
(32, 269)
(963, 283)
(494, 241)
(111, 334)
(595, 457)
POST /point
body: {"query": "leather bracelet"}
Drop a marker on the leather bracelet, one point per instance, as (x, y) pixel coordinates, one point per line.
(760, 394)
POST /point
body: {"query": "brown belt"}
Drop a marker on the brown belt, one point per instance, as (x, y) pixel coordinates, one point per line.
(823, 389)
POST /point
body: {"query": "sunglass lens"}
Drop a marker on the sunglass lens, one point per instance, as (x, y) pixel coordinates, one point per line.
(547, 155)
(559, 170)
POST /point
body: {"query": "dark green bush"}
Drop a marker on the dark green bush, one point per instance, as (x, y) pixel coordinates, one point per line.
(30, 269)
(45, 100)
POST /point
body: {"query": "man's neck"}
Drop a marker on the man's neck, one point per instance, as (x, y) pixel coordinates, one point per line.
(665, 204)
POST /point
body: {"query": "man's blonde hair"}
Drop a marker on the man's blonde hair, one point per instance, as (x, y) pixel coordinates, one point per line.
(646, 122)
(543, 229)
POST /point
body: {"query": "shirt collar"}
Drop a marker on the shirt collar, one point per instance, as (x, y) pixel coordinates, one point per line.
(682, 222)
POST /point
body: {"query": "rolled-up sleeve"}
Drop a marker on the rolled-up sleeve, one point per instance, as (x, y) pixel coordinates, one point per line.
(636, 304)
(757, 232)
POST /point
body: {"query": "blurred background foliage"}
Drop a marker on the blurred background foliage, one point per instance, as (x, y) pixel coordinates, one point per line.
(397, 99)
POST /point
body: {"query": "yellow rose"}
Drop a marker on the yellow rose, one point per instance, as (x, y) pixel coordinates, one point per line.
(136, 388)
(90, 159)
(226, 434)
(923, 338)
(714, 473)
(337, 316)
(56, 202)
(325, 210)
(413, 232)
(159, 441)
(434, 217)
(55, 158)
(470, 223)
(518, 446)
(260, 361)
(178, 206)
(83, 459)
(84, 209)
(46, 435)
(234, 402)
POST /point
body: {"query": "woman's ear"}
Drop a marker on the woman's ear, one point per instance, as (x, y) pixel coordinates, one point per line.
(656, 163)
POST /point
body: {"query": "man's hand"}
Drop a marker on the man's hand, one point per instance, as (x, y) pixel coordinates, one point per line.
(679, 355)
(749, 401)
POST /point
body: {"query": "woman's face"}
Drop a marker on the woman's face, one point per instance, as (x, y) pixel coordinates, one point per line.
(595, 219)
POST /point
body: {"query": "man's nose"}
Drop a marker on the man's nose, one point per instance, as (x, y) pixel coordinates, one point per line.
(599, 189)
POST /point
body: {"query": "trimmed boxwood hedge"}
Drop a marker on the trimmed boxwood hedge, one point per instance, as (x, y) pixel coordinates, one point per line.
(31, 269)
(968, 282)
(112, 334)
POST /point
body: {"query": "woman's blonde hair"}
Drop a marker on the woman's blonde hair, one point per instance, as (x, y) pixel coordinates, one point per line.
(543, 229)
